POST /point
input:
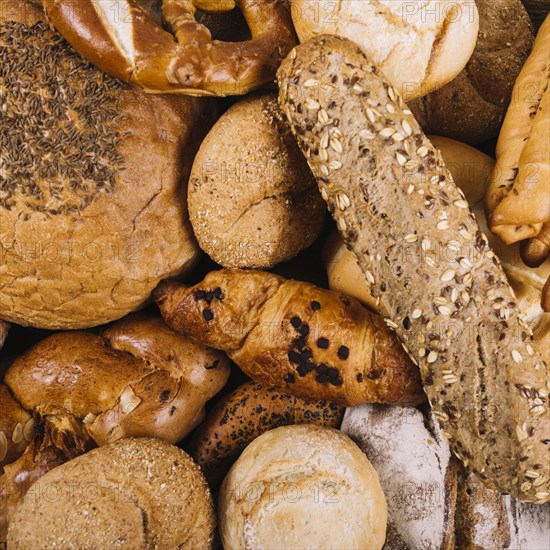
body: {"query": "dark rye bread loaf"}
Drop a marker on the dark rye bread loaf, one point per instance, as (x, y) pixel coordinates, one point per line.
(430, 267)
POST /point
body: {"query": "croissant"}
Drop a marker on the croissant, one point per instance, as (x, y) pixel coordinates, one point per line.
(518, 196)
(314, 343)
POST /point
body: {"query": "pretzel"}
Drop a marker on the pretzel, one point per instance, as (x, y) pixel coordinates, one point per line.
(121, 38)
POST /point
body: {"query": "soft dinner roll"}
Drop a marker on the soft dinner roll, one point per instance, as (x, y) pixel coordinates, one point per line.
(302, 487)
(92, 183)
(252, 199)
(419, 46)
(134, 494)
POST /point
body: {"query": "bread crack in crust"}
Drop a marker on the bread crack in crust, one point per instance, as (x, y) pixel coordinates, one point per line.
(59, 148)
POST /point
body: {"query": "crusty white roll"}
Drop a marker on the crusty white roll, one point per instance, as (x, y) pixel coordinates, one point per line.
(299, 487)
(418, 45)
(134, 494)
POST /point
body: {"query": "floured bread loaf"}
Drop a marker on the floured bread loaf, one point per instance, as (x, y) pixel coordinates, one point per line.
(92, 183)
(416, 472)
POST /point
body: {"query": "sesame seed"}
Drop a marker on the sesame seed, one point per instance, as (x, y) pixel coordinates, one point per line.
(324, 194)
(531, 474)
(430, 261)
(516, 356)
(537, 411)
(422, 352)
(444, 310)
(335, 165)
(448, 275)
(324, 170)
(530, 349)
(370, 277)
(454, 295)
(406, 127)
(336, 145)
(312, 105)
(390, 108)
(372, 102)
(410, 189)
(341, 223)
(322, 116)
(465, 263)
(466, 235)
(434, 180)
(323, 155)
(422, 151)
(426, 244)
(358, 89)
(293, 53)
(461, 204)
(392, 94)
(310, 83)
(440, 301)
(411, 238)
(444, 224)
(371, 116)
(398, 137)
(386, 132)
(390, 323)
(323, 144)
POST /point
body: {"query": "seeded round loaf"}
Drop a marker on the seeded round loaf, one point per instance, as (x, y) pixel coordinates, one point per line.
(252, 199)
(92, 186)
(134, 494)
(472, 106)
(418, 46)
(302, 486)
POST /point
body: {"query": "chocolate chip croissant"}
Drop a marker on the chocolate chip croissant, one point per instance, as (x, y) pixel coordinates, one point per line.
(307, 341)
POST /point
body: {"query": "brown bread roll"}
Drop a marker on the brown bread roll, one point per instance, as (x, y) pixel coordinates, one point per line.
(471, 107)
(78, 203)
(139, 379)
(394, 201)
(252, 199)
(133, 494)
(243, 415)
(419, 46)
(16, 428)
(4, 328)
(302, 487)
(291, 335)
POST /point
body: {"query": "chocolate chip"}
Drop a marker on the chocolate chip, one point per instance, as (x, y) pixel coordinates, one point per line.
(333, 372)
(359, 377)
(321, 378)
(301, 344)
(305, 355)
(295, 321)
(315, 305)
(304, 330)
(309, 366)
(374, 374)
(208, 315)
(322, 343)
(199, 295)
(293, 356)
(218, 294)
(302, 370)
(322, 368)
(164, 396)
(209, 296)
(343, 352)
(336, 381)
(289, 378)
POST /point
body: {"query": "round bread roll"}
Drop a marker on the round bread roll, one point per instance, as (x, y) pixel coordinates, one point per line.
(134, 494)
(471, 170)
(419, 46)
(302, 486)
(252, 199)
(472, 106)
(92, 186)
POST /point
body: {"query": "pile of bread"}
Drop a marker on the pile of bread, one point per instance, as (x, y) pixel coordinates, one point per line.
(312, 314)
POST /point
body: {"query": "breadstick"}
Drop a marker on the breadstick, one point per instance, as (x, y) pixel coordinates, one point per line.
(437, 282)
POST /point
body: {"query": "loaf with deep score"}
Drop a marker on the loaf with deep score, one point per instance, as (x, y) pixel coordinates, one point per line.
(396, 205)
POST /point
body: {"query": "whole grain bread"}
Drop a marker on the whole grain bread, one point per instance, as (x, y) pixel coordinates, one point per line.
(438, 283)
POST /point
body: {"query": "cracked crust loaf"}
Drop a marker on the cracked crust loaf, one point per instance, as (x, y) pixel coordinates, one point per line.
(78, 204)
(419, 46)
(252, 199)
(303, 487)
(133, 494)
(438, 283)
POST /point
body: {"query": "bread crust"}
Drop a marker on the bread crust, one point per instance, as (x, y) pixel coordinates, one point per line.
(291, 335)
(252, 199)
(246, 413)
(394, 203)
(471, 107)
(136, 493)
(302, 486)
(418, 46)
(93, 260)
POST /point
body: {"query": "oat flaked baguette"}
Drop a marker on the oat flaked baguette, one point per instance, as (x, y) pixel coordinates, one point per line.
(438, 283)
(292, 335)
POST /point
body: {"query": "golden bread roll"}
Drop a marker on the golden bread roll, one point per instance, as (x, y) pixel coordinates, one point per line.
(518, 196)
(471, 107)
(246, 413)
(252, 199)
(79, 205)
(302, 487)
(397, 207)
(291, 335)
(16, 428)
(419, 46)
(133, 494)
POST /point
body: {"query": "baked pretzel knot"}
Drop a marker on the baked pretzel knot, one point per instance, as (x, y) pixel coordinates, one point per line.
(121, 38)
